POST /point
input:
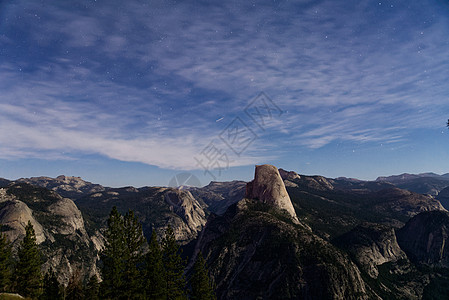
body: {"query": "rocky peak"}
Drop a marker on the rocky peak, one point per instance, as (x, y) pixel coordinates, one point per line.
(15, 215)
(268, 187)
(288, 175)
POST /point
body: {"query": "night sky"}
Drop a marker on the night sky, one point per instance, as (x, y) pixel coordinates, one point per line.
(135, 92)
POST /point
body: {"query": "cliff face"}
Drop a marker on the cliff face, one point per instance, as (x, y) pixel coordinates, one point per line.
(372, 245)
(256, 253)
(57, 223)
(156, 207)
(189, 210)
(289, 175)
(268, 187)
(14, 215)
(67, 242)
(259, 250)
(425, 238)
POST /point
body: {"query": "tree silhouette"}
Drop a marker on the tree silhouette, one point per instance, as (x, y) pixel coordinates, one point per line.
(5, 263)
(202, 287)
(174, 267)
(155, 272)
(28, 271)
(52, 288)
(121, 257)
(133, 256)
(74, 290)
(112, 257)
(92, 289)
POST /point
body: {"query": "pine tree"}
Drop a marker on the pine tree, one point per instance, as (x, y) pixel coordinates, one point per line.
(52, 288)
(155, 273)
(5, 263)
(92, 289)
(174, 267)
(28, 271)
(133, 255)
(202, 288)
(74, 290)
(113, 257)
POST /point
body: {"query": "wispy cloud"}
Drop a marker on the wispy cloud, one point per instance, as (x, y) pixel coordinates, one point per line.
(140, 82)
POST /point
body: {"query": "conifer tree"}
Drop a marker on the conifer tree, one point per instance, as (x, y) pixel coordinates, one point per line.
(133, 254)
(28, 272)
(154, 273)
(5, 263)
(74, 290)
(202, 287)
(92, 289)
(174, 265)
(52, 288)
(113, 257)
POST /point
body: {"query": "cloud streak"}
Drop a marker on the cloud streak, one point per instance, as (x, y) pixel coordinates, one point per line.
(145, 83)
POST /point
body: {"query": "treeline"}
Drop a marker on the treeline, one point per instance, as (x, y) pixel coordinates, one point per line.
(131, 268)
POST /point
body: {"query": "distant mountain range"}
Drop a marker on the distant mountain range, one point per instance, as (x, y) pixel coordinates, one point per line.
(407, 176)
(282, 236)
(424, 183)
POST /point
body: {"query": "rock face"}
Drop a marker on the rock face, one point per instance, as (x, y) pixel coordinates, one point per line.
(372, 245)
(58, 224)
(14, 215)
(288, 175)
(268, 187)
(425, 238)
(71, 218)
(253, 253)
(189, 210)
(156, 208)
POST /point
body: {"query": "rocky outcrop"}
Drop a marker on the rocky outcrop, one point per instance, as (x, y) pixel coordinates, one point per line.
(156, 208)
(313, 183)
(289, 175)
(58, 224)
(14, 215)
(189, 210)
(425, 238)
(371, 245)
(254, 253)
(71, 217)
(268, 187)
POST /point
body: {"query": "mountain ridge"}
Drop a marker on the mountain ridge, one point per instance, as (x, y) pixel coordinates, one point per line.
(242, 228)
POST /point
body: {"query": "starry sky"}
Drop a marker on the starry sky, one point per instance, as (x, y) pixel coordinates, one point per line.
(136, 92)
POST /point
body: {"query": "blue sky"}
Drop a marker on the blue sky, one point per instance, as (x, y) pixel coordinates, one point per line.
(135, 92)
